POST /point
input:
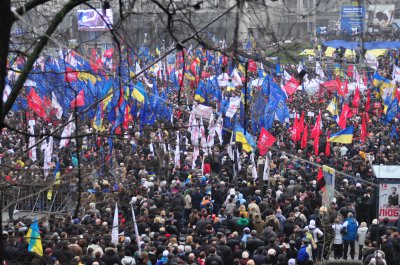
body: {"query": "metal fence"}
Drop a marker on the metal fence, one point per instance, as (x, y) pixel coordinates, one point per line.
(61, 199)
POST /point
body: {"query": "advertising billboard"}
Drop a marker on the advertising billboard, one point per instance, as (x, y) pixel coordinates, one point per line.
(94, 19)
(352, 18)
(389, 201)
(381, 15)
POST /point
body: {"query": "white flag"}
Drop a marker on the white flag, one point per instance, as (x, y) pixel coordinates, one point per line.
(236, 80)
(396, 73)
(48, 153)
(266, 168)
(56, 105)
(114, 231)
(229, 148)
(32, 144)
(211, 131)
(6, 93)
(177, 157)
(300, 68)
(138, 69)
(234, 103)
(286, 76)
(196, 153)
(203, 138)
(319, 71)
(151, 148)
(239, 165)
(218, 128)
(67, 132)
(253, 167)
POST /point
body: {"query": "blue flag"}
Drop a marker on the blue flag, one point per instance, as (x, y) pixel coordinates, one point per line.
(391, 111)
(393, 132)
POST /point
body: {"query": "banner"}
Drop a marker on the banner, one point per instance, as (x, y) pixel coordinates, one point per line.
(382, 15)
(234, 104)
(352, 18)
(203, 111)
(94, 20)
(329, 193)
(389, 201)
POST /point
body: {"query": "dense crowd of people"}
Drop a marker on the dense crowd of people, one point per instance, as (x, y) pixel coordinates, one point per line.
(209, 211)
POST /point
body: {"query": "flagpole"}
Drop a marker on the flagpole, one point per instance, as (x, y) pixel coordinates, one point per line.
(134, 222)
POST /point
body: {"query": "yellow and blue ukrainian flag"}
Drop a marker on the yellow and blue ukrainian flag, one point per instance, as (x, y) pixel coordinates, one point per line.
(33, 239)
(245, 138)
(344, 136)
(57, 180)
(139, 93)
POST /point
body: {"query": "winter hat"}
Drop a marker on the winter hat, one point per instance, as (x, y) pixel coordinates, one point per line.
(312, 224)
(271, 252)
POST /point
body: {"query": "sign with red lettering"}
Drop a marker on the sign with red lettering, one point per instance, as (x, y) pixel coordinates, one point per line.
(389, 201)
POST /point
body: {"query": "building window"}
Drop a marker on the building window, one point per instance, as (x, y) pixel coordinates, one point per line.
(292, 4)
(307, 4)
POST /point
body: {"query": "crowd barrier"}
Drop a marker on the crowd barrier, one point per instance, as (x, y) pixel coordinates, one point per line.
(62, 199)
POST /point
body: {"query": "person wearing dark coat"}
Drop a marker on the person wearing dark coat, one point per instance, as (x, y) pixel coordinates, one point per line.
(387, 248)
(63, 254)
(258, 257)
(373, 231)
(289, 226)
(225, 251)
(110, 256)
(253, 242)
(213, 256)
(197, 197)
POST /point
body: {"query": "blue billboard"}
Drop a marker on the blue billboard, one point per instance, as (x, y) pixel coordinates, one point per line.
(352, 19)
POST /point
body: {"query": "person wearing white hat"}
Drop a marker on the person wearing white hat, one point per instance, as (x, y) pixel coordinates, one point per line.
(313, 233)
(361, 236)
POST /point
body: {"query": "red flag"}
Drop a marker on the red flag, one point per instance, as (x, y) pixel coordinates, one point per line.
(363, 128)
(303, 143)
(94, 53)
(193, 67)
(328, 145)
(108, 53)
(365, 79)
(205, 74)
(35, 103)
(320, 180)
(295, 128)
(300, 126)
(125, 123)
(350, 70)
(70, 75)
(346, 88)
(316, 145)
(265, 141)
(356, 99)
(291, 86)
(317, 127)
(368, 103)
(339, 86)
(252, 66)
(344, 115)
(398, 94)
(79, 101)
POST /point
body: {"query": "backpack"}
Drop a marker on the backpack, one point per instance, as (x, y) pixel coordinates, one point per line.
(298, 221)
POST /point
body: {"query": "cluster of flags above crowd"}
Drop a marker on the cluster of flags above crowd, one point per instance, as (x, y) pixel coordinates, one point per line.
(104, 88)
